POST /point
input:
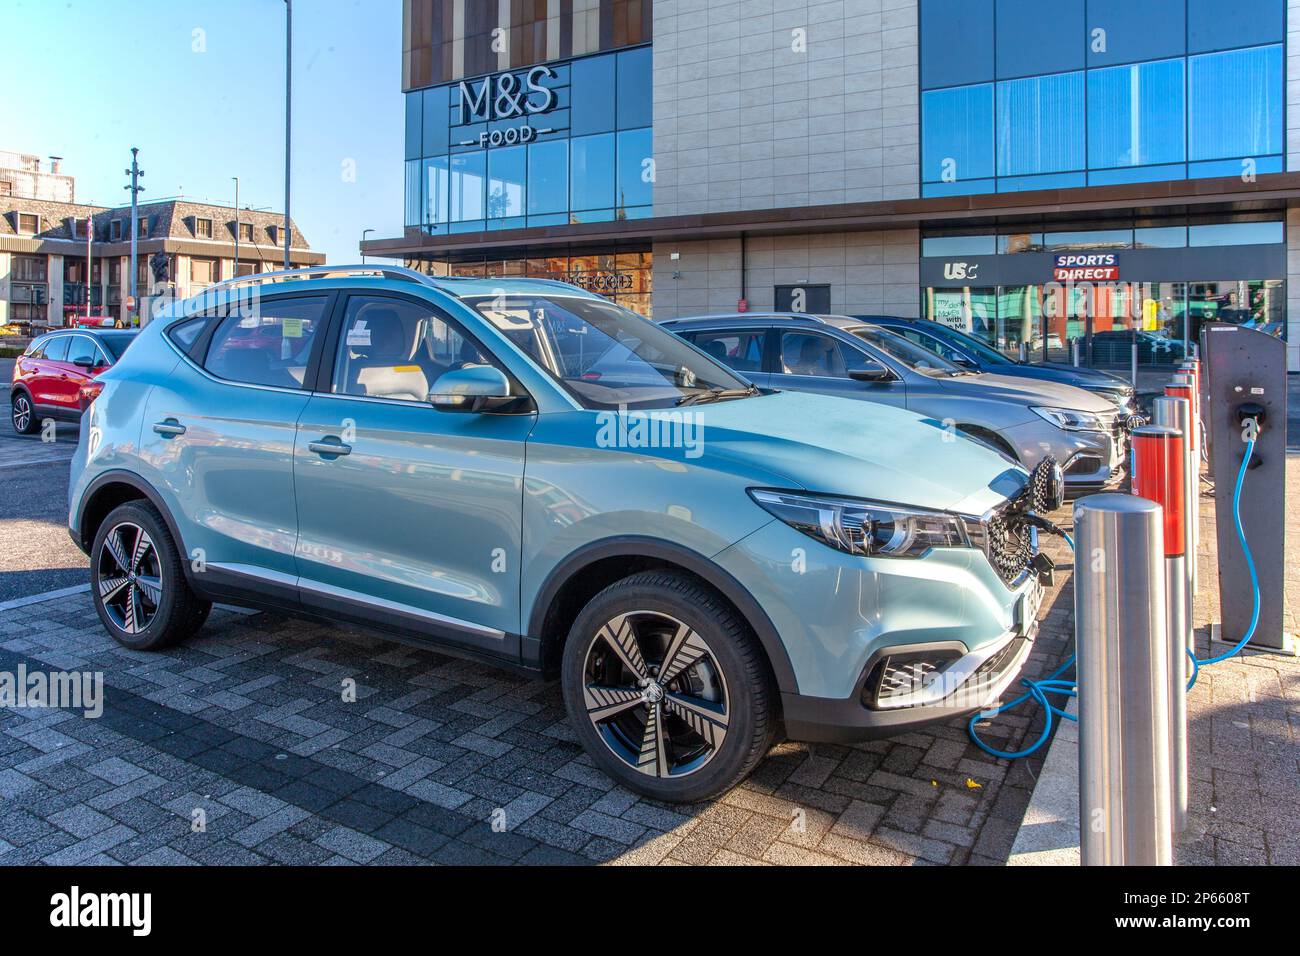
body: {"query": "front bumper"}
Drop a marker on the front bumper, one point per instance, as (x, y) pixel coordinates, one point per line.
(972, 683)
(1090, 460)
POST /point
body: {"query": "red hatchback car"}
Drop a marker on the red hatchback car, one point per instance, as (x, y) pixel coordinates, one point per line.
(50, 374)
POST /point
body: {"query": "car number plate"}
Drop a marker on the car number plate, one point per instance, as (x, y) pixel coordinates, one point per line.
(1027, 610)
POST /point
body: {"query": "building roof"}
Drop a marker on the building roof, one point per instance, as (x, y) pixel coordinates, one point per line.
(172, 227)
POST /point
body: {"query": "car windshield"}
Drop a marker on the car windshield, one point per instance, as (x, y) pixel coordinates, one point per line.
(985, 352)
(607, 356)
(116, 342)
(909, 353)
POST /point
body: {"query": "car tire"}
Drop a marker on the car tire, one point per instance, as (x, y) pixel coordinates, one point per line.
(23, 414)
(667, 688)
(137, 581)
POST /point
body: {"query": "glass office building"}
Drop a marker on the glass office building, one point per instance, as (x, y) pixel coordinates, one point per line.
(957, 160)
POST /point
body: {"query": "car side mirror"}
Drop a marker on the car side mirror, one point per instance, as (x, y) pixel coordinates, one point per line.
(870, 372)
(474, 388)
(84, 363)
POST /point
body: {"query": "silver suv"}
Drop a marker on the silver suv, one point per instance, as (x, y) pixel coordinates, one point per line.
(847, 357)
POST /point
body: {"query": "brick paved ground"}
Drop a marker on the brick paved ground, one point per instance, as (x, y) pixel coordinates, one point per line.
(248, 724)
(1244, 726)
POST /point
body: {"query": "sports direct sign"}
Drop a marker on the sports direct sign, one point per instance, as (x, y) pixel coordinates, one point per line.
(1086, 267)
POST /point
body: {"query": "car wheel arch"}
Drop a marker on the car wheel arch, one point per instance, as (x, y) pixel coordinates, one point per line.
(587, 571)
(108, 491)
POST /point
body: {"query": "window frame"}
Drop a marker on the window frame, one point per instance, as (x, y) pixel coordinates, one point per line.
(327, 356)
(199, 224)
(19, 216)
(198, 352)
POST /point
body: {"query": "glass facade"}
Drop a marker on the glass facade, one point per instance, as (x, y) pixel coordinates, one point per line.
(624, 276)
(1039, 94)
(546, 145)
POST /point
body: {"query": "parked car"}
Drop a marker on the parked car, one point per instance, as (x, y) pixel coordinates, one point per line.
(50, 375)
(521, 471)
(837, 355)
(969, 352)
(1115, 347)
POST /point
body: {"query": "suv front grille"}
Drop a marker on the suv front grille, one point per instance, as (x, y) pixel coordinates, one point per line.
(1007, 540)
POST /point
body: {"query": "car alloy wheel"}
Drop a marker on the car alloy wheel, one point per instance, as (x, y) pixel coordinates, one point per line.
(655, 694)
(130, 577)
(22, 412)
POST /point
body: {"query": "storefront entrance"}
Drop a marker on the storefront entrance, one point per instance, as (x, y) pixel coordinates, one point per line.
(1092, 296)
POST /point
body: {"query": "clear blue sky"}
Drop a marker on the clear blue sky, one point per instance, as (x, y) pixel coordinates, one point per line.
(89, 79)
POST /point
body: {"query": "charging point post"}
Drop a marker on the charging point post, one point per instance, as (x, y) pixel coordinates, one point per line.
(1159, 476)
(1244, 377)
(1125, 812)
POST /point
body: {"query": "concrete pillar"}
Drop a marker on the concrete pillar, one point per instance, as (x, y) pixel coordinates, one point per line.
(6, 263)
(54, 269)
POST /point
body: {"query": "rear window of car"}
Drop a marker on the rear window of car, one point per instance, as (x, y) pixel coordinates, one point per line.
(270, 345)
(116, 344)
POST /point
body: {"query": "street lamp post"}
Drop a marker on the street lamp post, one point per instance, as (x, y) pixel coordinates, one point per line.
(135, 172)
(364, 233)
(236, 273)
(288, 108)
(90, 236)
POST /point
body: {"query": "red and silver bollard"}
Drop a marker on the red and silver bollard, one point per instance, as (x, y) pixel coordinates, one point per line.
(1184, 386)
(1177, 413)
(1158, 477)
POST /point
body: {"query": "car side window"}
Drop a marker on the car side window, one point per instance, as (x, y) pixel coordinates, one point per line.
(810, 353)
(396, 349)
(186, 333)
(56, 349)
(742, 351)
(927, 341)
(37, 349)
(82, 349)
(269, 344)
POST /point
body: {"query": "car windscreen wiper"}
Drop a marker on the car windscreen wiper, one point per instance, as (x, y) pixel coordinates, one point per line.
(716, 395)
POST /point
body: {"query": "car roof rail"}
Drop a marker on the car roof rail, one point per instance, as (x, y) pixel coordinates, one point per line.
(325, 272)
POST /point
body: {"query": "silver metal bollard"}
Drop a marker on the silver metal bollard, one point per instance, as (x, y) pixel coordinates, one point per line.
(1123, 679)
(1074, 352)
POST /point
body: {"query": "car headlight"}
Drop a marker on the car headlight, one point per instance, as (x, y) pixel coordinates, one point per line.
(866, 528)
(1070, 419)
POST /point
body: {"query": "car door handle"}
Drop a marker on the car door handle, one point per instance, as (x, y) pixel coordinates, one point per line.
(329, 446)
(169, 428)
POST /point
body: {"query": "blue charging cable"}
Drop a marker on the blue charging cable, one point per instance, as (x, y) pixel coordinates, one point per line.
(1036, 690)
(1197, 663)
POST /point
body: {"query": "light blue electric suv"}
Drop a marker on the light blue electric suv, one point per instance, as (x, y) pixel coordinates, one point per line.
(524, 472)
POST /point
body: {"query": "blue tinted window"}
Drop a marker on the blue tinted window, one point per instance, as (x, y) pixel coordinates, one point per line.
(1235, 234)
(957, 134)
(1235, 167)
(1135, 114)
(1137, 174)
(1223, 24)
(635, 102)
(1160, 237)
(436, 190)
(1134, 30)
(958, 246)
(1039, 36)
(1235, 106)
(412, 208)
(506, 177)
(548, 177)
(592, 95)
(591, 180)
(467, 186)
(635, 168)
(435, 121)
(956, 42)
(414, 104)
(1040, 125)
